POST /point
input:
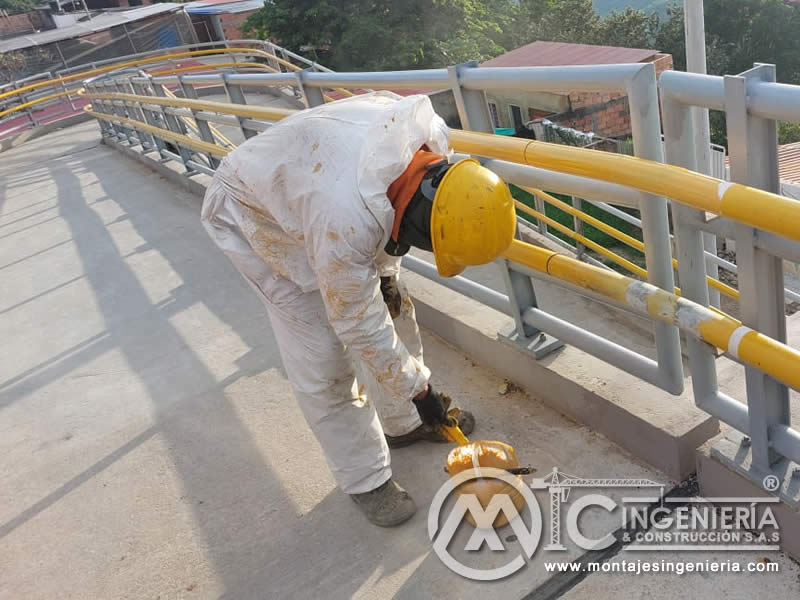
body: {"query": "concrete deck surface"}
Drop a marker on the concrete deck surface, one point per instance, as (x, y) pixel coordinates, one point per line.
(150, 446)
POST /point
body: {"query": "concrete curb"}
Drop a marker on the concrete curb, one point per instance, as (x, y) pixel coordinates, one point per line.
(168, 170)
(719, 481)
(662, 430)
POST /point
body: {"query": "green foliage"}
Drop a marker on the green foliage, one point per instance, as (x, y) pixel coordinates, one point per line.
(388, 34)
(14, 6)
(628, 29)
(412, 34)
(788, 133)
(565, 219)
(604, 7)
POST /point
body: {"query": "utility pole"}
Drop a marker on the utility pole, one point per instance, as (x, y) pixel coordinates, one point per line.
(695, 32)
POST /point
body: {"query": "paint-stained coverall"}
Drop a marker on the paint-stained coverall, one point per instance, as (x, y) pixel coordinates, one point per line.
(302, 212)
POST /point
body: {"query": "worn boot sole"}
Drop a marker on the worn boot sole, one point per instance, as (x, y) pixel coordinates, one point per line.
(425, 433)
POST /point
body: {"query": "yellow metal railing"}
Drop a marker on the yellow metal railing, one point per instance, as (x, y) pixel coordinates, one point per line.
(75, 92)
(751, 347)
(609, 230)
(61, 80)
(775, 214)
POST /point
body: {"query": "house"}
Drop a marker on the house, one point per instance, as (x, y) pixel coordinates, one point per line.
(605, 114)
(220, 20)
(112, 33)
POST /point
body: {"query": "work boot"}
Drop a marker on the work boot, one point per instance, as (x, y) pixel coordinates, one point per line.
(466, 421)
(387, 505)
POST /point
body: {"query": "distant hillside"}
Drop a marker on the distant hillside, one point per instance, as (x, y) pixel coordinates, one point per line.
(603, 7)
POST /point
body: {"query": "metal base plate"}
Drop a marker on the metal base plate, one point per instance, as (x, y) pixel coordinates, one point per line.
(781, 480)
(539, 346)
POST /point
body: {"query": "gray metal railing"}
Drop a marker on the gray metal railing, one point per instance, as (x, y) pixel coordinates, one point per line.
(750, 103)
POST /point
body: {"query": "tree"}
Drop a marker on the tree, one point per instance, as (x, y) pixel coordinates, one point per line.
(568, 21)
(387, 34)
(788, 133)
(628, 29)
(14, 6)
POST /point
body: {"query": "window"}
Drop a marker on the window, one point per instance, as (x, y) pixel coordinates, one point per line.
(515, 116)
(493, 113)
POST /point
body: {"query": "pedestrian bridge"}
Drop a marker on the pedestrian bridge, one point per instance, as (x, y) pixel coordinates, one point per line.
(141, 387)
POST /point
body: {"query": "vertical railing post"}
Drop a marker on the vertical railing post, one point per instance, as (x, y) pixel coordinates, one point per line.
(145, 138)
(680, 151)
(753, 149)
(145, 89)
(473, 110)
(311, 96)
(115, 129)
(202, 126)
(122, 110)
(173, 124)
(577, 226)
(236, 95)
(646, 130)
(97, 106)
(542, 209)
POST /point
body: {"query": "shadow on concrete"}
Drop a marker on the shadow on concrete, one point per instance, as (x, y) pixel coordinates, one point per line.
(256, 541)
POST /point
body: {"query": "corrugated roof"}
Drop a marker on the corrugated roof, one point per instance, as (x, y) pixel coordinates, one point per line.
(100, 22)
(789, 162)
(216, 7)
(545, 54)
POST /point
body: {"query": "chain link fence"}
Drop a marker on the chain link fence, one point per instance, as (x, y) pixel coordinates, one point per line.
(162, 31)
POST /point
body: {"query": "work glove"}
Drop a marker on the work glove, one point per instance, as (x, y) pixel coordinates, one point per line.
(391, 296)
(432, 409)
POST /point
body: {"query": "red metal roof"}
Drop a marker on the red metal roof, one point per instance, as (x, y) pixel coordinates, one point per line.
(545, 54)
(789, 162)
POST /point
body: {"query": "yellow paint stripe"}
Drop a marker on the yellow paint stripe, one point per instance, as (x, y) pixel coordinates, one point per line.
(623, 262)
(166, 134)
(131, 63)
(774, 213)
(30, 103)
(768, 355)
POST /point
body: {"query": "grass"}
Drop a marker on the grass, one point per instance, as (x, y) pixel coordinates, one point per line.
(592, 233)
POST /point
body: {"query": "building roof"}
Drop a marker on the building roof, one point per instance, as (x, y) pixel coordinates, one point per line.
(97, 23)
(545, 54)
(217, 7)
(789, 162)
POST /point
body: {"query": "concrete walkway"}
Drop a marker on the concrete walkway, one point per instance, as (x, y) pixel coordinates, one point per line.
(150, 446)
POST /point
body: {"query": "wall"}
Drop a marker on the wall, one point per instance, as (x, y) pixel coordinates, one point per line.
(544, 102)
(604, 114)
(231, 24)
(20, 23)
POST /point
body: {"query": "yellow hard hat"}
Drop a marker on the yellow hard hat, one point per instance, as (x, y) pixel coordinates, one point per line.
(472, 220)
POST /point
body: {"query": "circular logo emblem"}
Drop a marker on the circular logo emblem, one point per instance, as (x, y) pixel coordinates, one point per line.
(484, 517)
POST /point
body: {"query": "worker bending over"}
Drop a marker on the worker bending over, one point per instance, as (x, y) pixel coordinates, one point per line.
(315, 213)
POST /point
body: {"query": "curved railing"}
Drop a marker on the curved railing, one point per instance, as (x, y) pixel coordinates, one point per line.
(47, 90)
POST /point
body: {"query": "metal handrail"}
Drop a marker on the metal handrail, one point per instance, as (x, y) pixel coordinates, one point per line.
(751, 347)
(776, 213)
(536, 166)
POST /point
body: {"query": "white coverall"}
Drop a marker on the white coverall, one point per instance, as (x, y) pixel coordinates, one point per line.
(301, 210)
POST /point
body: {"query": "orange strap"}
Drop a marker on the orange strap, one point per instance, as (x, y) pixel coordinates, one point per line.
(404, 187)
